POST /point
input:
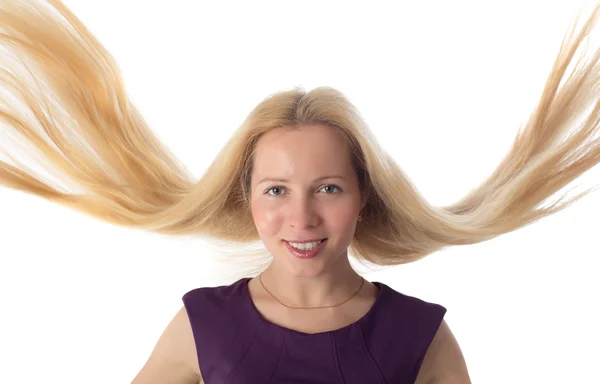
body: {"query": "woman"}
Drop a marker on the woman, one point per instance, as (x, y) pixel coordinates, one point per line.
(307, 317)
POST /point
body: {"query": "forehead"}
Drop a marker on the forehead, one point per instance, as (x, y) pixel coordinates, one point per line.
(303, 151)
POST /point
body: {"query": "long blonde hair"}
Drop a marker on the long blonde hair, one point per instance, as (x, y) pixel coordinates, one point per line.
(81, 129)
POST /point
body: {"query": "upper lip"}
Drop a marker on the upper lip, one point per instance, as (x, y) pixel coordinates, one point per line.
(305, 241)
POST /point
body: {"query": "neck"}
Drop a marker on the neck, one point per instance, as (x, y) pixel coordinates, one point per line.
(328, 288)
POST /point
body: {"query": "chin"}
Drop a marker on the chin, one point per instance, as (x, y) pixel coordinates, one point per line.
(306, 268)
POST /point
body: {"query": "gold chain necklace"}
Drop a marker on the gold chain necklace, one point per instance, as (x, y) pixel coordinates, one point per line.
(326, 306)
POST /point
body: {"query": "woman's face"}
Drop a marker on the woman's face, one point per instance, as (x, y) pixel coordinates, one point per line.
(304, 187)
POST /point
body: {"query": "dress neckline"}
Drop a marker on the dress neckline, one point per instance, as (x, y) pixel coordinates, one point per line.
(256, 315)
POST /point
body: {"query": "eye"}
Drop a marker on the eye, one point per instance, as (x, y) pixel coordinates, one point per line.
(332, 186)
(274, 188)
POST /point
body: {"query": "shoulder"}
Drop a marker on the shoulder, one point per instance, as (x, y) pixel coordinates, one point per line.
(415, 315)
(173, 358)
(441, 359)
(444, 361)
(218, 330)
(212, 310)
(205, 300)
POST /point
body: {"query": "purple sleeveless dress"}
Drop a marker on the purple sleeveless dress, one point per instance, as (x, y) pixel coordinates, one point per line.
(236, 345)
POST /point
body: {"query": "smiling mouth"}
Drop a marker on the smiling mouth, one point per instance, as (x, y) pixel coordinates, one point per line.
(302, 244)
(305, 241)
(306, 253)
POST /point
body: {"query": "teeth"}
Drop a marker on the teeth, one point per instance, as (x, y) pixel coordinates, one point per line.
(305, 246)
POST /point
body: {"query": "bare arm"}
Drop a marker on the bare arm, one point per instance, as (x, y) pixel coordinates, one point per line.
(444, 362)
(173, 359)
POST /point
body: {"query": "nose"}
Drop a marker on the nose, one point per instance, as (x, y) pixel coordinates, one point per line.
(303, 213)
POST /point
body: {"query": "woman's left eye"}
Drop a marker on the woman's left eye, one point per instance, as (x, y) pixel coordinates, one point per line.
(333, 186)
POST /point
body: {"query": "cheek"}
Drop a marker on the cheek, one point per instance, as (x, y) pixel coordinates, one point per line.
(267, 220)
(342, 221)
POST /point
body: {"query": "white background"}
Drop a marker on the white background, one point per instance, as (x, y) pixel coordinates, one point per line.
(444, 86)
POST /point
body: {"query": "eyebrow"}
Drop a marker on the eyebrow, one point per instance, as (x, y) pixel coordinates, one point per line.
(263, 180)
